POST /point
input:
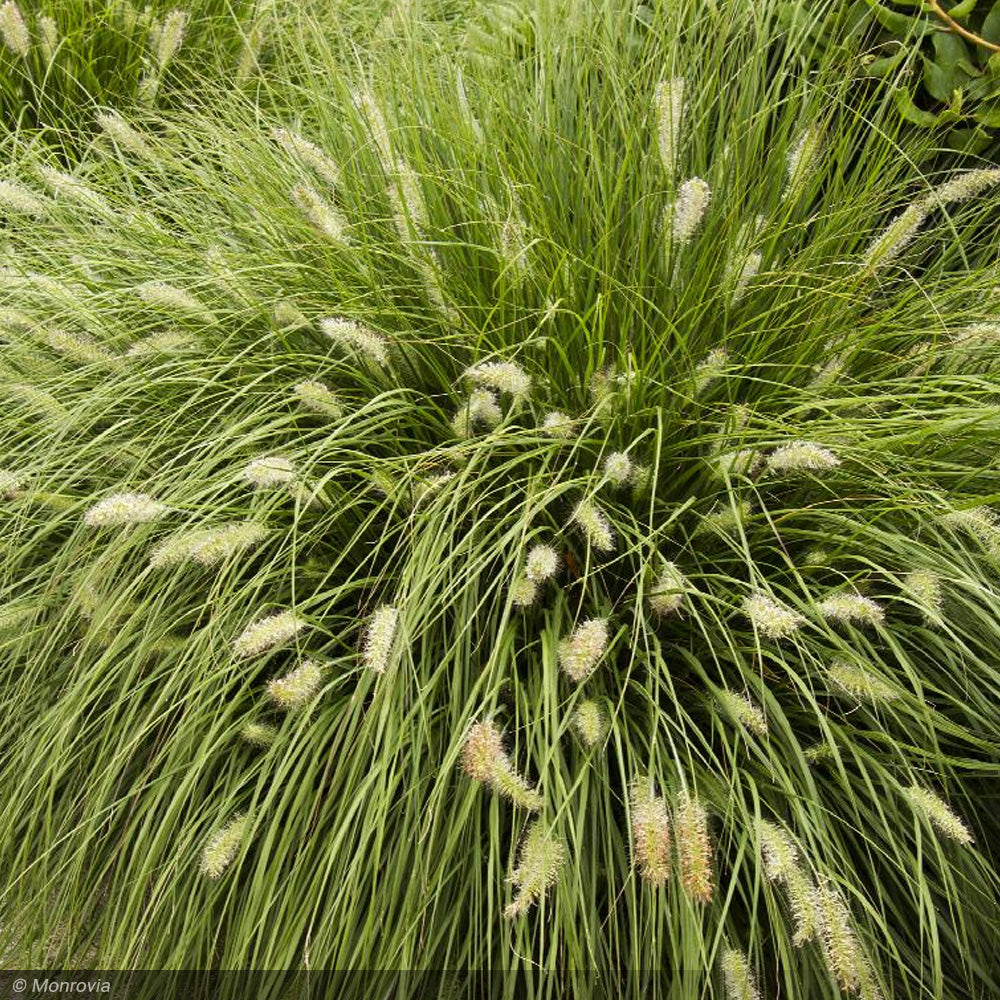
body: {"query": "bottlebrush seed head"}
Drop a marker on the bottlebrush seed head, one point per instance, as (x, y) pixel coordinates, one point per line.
(319, 398)
(770, 617)
(269, 472)
(267, 633)
(590, 723)
(13, 30)
(259, 734)
(352, 336)
(580, 653)
(593, 522)
(207, 546)
(379, 639)
(651, 839)
(668, 592)
(938, 813)
(688, 210)
(125, 508)
(618, 468)
(737, 976)
(694, 848)
(523, 592)
(296, 688)
(859, 683)
(502, 376)
(484, 760)
(854, 608)
(223, 846)
(540, 858)
(743, 711)
(801, 456)
(541, 563)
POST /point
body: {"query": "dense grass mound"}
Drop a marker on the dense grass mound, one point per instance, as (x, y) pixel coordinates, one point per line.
(528, 516)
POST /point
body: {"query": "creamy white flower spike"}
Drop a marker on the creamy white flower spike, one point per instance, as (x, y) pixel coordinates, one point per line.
(321, 213)
(296, 688)
(861, 684)
(380, 636)
(594, 524)
(223, 846)
(801, 456)
(711, 368)
(844, 957)
(125, 508)
(938, 813)
(802, 159)
(965, 185)
(11, 483)
(523, 592)
(668, 104)
(741, 462)
(688, 209)
(267, 633)
(542, 562)
(207, 546)
(407, 197)
(165, 342)
(780, 855)
(694, 849)
(484, 760)
(13, 30)
(67, 187)
(480, 409)
(557, 424)
(259, 734)
(590, 723)
(748, 270)
(123, 135)
(78, 347)
(770, 617)
(851, 608)
(981, 522)
(618, 468)
(319, 398)
(924, 588)
(308, 154)
(502, 376)
(891, 242)
(541, 856)
(170, 38)
(651, 839)
(269, 472)
(170, 298)
(349, 335)
(742, 710)
(667, 595)
(737, 976)
(16, 199)
(368, 107)
(580, 652)
(48, 33)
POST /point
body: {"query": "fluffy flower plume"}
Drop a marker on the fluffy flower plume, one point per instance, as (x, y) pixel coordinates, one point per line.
(618, 468)
(667, 595)
(580, 652)
(379, 638)
(694, 848)
(924, 589)
(542, 562)
(742, 276)
(770, 617)
(847, 608)
(650, 833)
(743, 711)
(350, 335)
(297, 687)
(891, 242)
(123, 135)
(484, 760)
(980, 522)
(371, 113)
(737, 977)
(558, 425)
(859, 682)
(16, 199)
(258, 734)
(480, 409)
(78, 347)
(802, 158)
(267, 633)
(320, 212)
(709, 369)
(502, 376)
(523, 592)
(541, 856)
(844, 957)
(688, 209)
(169, 38)
(268, 472)
(319, 398)
(223, 846)
(308, 154)
(13, 30)
(965, 185)
(668, 103)
(781, 866)
(594, 524)
(727, 520)
(407, 198)
(170, 298)
(125, 508)
(208, 546)
(801, 456)
(590, 723)
(938, 813)
(164, 342)
(11, 483)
